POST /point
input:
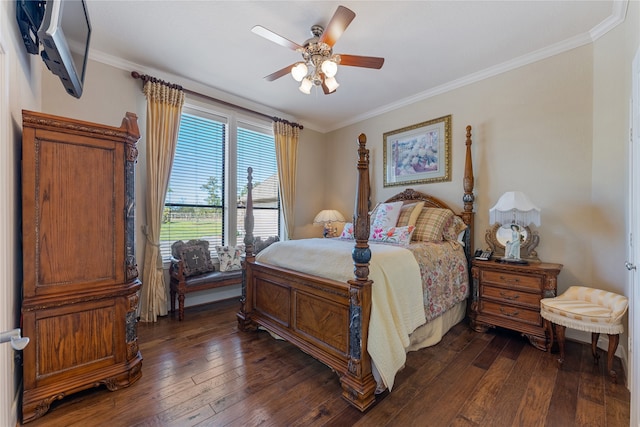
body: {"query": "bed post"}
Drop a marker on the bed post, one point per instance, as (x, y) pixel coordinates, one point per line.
(358, 384)
(244, 317)
(468, 198)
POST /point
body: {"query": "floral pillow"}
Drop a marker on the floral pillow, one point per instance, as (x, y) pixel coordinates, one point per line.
(230, 258)
(347, 231)
(384, 216)
(453, 228)
(396, 235)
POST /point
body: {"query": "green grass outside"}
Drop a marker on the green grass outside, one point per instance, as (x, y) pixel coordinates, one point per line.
(184, 230)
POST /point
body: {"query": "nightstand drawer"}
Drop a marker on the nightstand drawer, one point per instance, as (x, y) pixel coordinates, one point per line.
(510, 296)
(507, 279)
(511, 312)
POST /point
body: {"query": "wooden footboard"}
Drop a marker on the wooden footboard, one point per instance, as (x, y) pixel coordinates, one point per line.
(328, 319)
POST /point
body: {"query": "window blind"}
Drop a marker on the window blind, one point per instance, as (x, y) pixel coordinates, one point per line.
(256, 149)
(194, 200)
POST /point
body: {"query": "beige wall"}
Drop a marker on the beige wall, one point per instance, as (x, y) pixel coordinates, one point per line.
(531, 132)
(19, 89)
(314, 163)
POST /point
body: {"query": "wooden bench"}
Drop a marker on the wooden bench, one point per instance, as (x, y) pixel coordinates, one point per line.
(181, 285)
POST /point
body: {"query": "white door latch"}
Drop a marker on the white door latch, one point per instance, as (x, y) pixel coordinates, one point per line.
(17, 342)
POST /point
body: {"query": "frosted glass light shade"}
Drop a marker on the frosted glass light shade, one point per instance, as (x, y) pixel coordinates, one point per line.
(331, 83)
(329, 68)
(514, 207)
(305, 86)
(299, 71)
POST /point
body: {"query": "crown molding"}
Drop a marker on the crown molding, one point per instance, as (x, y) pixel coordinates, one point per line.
(618, 14)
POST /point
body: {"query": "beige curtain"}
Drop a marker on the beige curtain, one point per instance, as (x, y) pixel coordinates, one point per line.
(286, 137)
(164, 108)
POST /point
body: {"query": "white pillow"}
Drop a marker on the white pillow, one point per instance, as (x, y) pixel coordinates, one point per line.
(230, 258)
(383, 217)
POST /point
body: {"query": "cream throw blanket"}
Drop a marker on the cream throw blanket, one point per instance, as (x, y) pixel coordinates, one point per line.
(396, 308)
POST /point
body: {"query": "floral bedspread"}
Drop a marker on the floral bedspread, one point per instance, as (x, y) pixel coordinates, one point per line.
(445, 279)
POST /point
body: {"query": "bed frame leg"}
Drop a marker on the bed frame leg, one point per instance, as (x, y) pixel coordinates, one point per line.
(359, 393)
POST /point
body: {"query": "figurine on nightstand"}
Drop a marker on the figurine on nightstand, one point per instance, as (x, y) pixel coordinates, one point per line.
(513, 245)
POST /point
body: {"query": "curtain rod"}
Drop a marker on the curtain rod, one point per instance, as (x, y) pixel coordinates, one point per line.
(145, 78)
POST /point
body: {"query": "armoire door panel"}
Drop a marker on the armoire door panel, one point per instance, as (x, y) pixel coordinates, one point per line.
(57, 331)
(79, 216)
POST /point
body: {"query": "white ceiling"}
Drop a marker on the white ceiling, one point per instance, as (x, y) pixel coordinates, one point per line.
(429, 46)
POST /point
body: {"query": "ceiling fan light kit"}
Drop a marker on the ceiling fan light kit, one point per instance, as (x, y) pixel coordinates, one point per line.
(320, 64)
(299, 71)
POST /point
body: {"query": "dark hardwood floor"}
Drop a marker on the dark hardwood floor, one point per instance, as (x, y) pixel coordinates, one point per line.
(203, 371)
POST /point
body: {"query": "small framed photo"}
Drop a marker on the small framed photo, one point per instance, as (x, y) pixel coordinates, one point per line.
(418, 154)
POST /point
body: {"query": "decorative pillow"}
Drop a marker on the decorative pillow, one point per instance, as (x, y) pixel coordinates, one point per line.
(384, 216)
(409, 213)
(396, 235)
(194, 255)
(453, 228)
(347, 231)
(259, 244)
(230, 258)
(430, 224)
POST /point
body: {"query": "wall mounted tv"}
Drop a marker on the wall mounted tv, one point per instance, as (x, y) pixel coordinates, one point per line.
(64, 29)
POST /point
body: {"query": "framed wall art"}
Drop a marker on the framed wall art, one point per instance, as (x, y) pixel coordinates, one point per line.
(418, 154)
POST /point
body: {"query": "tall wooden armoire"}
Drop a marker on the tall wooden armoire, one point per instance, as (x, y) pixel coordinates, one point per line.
(80, 282)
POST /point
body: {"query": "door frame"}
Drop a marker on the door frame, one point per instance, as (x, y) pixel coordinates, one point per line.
(633, 281)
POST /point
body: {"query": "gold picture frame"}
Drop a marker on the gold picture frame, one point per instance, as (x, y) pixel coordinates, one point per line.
(418, 154)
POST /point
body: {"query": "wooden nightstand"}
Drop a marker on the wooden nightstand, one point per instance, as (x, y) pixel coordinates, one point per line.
(508, 295)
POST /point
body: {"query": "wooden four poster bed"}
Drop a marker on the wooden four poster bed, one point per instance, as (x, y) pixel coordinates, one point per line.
(328, 317)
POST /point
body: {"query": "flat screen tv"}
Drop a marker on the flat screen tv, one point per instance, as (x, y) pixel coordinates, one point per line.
(65, 33)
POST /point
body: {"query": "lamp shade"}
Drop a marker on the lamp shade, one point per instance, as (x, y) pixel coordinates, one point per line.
(327, 216)
(299, 71)
(331, 83)
(306, 85)
(514, 207)
(329, 68)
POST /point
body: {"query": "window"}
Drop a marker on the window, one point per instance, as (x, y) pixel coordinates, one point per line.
(206, 196)
(258, 151)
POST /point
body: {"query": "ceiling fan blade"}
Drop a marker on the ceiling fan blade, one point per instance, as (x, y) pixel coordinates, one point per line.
(339, 22)
(276, 38)
(274, 76)
(361, 61)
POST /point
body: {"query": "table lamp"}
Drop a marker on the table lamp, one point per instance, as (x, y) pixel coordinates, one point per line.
(326, 218)
(517, 211)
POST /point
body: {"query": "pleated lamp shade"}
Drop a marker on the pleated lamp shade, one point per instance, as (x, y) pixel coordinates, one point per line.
(514, 207)
(327, 216)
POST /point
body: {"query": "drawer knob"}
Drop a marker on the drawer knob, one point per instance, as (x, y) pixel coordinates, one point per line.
(506, 313)
(510, 280)
(505, 295)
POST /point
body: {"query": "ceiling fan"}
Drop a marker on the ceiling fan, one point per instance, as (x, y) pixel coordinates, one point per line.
(320, 64)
